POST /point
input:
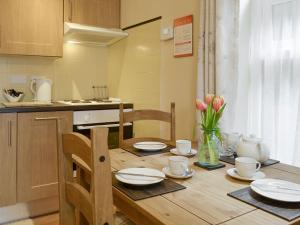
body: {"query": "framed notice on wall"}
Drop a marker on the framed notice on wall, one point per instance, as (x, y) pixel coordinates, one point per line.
(183, 36)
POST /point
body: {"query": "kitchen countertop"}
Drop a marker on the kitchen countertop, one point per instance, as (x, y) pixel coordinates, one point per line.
(61, 107)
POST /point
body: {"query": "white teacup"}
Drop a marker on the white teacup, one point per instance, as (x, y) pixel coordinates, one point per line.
(183, 146)
(246, 167)
(178, 165)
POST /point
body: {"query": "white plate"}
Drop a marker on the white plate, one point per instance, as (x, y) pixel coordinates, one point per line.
(233, 173)
(176, 152)
(150, 145)
(166, 170)
(140, 180)
(269, 188)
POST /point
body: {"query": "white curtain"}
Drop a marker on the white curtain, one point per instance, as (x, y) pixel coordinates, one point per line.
(266, 97)
(227, 28)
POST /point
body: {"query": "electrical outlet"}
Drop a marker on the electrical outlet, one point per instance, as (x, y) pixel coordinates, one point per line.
(18, 79)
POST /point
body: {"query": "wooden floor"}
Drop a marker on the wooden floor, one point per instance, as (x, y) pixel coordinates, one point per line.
(52, 219)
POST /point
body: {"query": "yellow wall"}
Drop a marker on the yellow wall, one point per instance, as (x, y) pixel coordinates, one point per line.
(134, 72)
(177, 75)
(73, 75)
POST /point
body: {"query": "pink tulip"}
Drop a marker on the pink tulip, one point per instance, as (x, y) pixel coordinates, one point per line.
(209, 98)
(217, 104)
(201, 106)
(222, 100)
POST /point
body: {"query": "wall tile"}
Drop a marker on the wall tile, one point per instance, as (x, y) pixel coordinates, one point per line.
(72, 76)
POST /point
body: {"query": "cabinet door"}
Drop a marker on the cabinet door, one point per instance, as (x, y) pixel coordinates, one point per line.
(101, 13)
(31, 27)
(8, 133)
(37, 176)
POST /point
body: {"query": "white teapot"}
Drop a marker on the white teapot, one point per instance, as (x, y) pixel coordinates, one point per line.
(254, 148)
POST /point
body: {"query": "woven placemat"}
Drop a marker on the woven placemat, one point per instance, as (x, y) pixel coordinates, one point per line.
(231, 160)
(143, 192)
(284, 210)
(142, 153)
(214, 167)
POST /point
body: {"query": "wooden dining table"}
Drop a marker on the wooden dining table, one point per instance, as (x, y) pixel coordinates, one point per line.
(205, 199)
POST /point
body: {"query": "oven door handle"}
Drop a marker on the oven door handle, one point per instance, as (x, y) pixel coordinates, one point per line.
(84, 127)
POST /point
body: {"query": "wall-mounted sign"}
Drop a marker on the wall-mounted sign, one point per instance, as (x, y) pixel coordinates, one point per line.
(183, 36)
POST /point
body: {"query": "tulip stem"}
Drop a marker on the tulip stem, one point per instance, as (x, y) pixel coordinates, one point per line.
(210, 151)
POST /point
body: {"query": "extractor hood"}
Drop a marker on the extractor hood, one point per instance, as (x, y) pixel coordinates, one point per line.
(77, 33)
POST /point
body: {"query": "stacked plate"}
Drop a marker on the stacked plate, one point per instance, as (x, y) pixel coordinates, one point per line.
(140, 176)
(150, 146)
(279, 190)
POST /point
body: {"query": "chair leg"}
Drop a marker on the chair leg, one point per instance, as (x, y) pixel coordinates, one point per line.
(77, 217)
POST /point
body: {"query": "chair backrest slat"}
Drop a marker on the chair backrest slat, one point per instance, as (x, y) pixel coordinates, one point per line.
(80, 198)
(148, 114)
(79, 145)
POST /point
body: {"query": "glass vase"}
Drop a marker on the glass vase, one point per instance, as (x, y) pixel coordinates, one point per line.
(209, 149)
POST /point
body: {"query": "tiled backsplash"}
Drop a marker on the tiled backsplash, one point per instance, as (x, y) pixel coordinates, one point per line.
(73, 75)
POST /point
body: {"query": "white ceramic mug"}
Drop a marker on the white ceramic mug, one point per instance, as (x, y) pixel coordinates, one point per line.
(178, 165)
(246, 167)
(183, 146)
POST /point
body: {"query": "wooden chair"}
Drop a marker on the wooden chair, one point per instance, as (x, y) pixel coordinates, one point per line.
(148, 114)
(87, 197)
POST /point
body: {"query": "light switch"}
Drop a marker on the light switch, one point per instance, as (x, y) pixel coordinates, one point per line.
(166, 33)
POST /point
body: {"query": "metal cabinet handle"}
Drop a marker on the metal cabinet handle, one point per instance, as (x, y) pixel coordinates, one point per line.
(46, 118)
(83, 127)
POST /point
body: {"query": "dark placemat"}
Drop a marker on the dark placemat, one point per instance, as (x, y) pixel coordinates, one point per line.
(230, 160)
(141, 153)
(142, 192)
(220, 165)
(284, 210)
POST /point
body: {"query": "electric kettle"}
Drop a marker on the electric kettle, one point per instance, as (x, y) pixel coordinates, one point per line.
(41, 88)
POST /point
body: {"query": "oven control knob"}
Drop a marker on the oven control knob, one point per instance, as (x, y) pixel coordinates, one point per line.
(87, 118)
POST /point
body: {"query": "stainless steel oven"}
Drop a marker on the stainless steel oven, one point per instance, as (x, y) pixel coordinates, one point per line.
(83, 121)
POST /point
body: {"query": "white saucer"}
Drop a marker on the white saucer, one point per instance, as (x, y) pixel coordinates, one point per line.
(176, 152)
(258, 175)
(166, 170)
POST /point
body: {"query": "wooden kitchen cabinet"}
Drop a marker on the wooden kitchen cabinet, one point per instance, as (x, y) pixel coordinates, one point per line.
(37, 154)
(31, 27)
(100, 13)
(8, 140)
